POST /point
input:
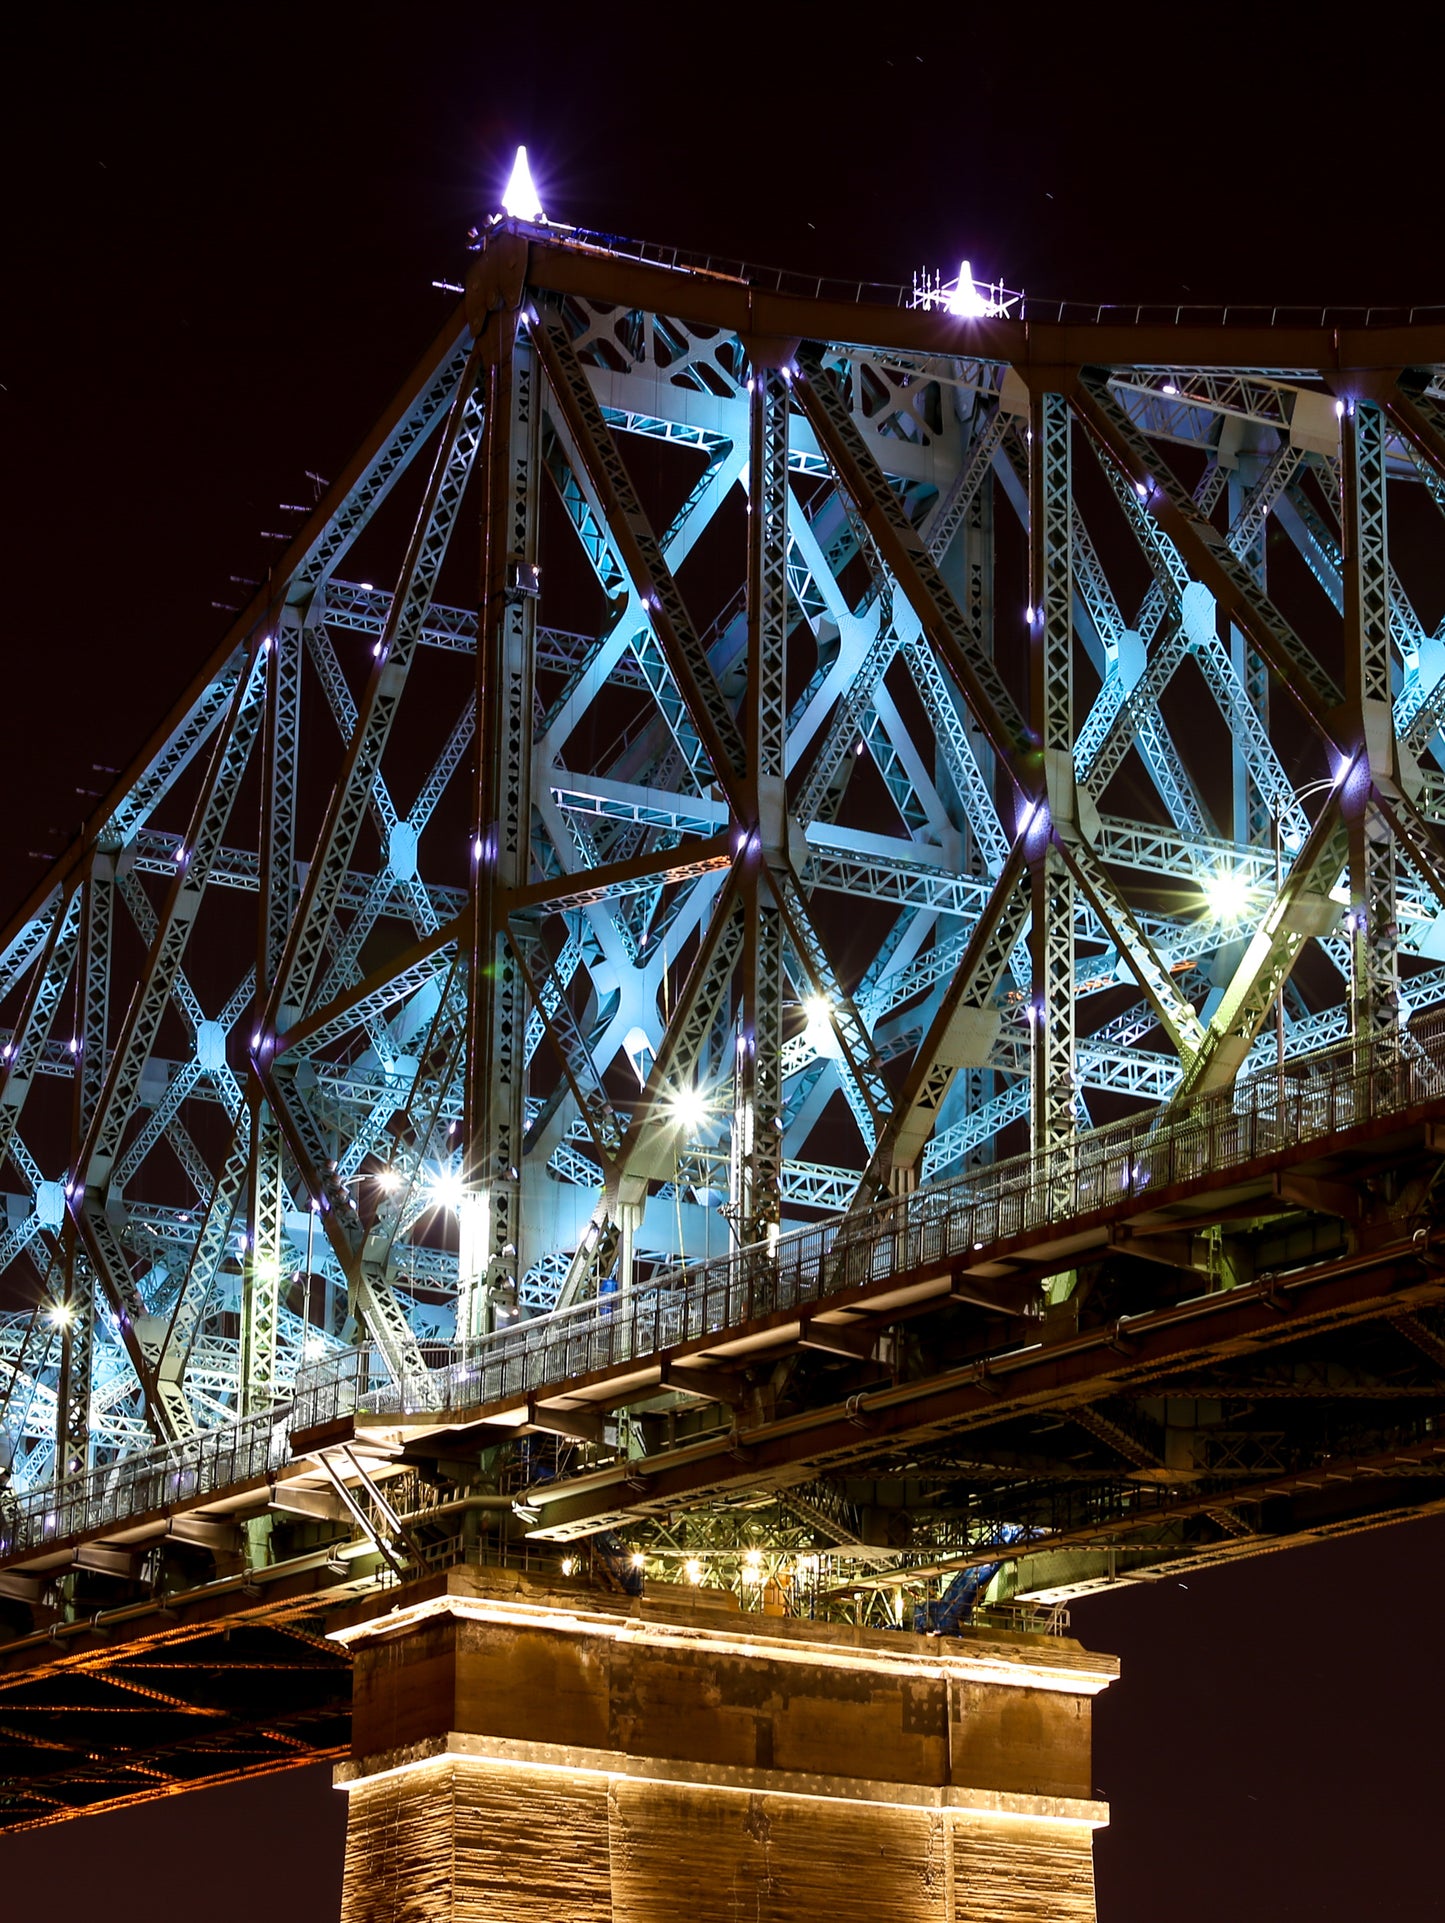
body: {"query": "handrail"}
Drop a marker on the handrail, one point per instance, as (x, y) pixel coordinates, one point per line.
(1031, 307)
(1316, 1096)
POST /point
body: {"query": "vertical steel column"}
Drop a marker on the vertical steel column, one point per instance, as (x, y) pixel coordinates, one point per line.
(1260, 819)
(1055, 809)
(91, 1040)
(89, 1043)
(261, 1268)
(496, 1070)
(280, 749)
(266, 1194)
(767, 598)
(757, 1084)
(978, 571)
(1364, 525)
(979, 1084)
(77, 1355)
(1253, 818)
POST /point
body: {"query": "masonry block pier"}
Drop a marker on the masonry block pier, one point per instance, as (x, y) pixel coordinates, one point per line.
(531, 1751)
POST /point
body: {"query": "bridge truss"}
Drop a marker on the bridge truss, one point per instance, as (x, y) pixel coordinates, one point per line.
(725, 754)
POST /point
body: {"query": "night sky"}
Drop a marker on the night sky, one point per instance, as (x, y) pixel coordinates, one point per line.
(220, 226)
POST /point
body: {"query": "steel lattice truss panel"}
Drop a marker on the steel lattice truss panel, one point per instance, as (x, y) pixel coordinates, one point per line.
(715, 758)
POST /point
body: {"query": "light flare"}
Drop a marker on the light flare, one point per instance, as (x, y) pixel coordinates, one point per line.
(965, 298)
(688, 1107)
(444, 1189)
(520, 200)
(1228, 893)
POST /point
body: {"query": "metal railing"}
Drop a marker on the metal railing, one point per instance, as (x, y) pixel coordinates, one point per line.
(939, 1225)
(170, 1473)
(1312, 1098)
(1032, 307)
(1023, 1618)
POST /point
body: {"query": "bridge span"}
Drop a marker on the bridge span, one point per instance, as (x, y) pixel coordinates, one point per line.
(857, 1021)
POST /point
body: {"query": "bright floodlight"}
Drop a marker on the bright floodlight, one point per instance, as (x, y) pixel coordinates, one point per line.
(444, 1189)
(520, 198)
(388, 1180)
(965, 298)
(60, 1316)
(820, 1034)
(688, 1107)
(692, 1568)
(1227, 892)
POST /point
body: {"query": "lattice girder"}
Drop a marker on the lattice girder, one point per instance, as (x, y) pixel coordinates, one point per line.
(774, 832)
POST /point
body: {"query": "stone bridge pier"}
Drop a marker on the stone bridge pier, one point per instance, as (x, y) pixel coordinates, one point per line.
(532, 1751)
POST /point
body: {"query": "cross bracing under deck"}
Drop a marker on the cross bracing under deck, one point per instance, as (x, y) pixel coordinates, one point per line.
(719, 759)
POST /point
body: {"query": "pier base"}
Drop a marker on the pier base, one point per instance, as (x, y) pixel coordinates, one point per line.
(526, 1752)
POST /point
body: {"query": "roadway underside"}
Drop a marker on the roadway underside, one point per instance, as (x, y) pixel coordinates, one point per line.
(165, 1705)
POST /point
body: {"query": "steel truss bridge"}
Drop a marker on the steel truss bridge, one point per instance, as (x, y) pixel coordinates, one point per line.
(800, 942)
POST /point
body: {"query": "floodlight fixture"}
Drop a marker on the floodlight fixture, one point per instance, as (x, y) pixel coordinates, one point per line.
(688, 1107)
(965, 298)
(520, 200)
(1227, 891)
(444, 1189)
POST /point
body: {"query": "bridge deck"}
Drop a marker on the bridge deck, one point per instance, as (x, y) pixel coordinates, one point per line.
(987, 1239)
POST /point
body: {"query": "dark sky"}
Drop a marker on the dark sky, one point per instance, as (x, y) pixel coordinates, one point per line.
(220, 225)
